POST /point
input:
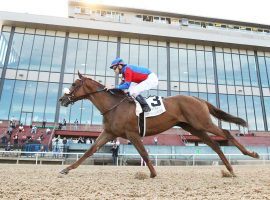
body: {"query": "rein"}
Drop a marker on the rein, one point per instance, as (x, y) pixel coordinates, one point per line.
(72, 100)
(84, 96)
(114, 106)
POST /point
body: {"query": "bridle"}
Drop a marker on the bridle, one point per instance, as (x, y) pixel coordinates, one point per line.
(72, 99)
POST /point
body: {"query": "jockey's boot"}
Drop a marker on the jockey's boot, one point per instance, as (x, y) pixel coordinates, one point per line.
(143, 103)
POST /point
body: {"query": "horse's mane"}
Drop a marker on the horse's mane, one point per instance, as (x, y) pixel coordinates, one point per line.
(114, 92)
(117, 92)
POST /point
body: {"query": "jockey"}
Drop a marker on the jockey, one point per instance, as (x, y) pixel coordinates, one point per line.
(142, 79)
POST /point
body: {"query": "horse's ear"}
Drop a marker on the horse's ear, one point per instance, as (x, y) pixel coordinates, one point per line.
(80, 75)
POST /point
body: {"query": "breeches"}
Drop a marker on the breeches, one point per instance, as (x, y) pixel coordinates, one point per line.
(147, 84)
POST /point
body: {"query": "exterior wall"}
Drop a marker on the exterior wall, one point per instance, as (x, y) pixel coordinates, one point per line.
(36, 64)
(145, 30)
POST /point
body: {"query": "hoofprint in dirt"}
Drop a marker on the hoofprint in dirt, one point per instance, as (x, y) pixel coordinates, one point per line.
(109, 182)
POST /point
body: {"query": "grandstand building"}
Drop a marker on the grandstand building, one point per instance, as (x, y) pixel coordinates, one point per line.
(224, 62)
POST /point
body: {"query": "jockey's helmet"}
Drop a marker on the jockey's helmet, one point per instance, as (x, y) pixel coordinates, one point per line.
(117, 61)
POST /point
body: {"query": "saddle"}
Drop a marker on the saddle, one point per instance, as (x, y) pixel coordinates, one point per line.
(157, 108)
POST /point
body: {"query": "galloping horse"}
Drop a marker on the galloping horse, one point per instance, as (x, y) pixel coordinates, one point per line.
(120, 120)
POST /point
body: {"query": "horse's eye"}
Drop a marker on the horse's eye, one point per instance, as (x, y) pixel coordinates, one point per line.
(73, 84)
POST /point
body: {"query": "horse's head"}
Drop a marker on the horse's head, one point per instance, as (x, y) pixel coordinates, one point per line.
(80, 89)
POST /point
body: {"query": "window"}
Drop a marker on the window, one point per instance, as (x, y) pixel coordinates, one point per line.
(15, 50)
(201, 66)
(237, 69)
(228, 69)
(232, 109)
(263, 71)
(86, 110)
(77, 10)
(192, 66)
(156, 19)
(103, 13)
(134, 54)
(4, 37)
(26, 51)
(71, 55)
(51, 102)
(64, 111)
(29, 96)
(147, 18)
(203, 24)
(40, 101)
(111, 55)
(47, 54)
(143, 55)
(223, 26)
(209, 64)
(6, 98)
(162, 63)
(224, 106)
(153, 61)
(241, 106)
(197, 23)
(81, 56)
(57, 54)
(250, 113)
(209, 24)
(253, 70)
(75, 112)
(245, 70)
(36, 52)
(183, 65)
(174, 68)
(220, 68)
(83, 10)
(267, 108)
(184, 21)
(15, 110)
(91, 57)
(258, 113)
(101, 55)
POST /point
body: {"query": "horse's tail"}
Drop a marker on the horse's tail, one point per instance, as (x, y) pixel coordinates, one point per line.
(220, 114)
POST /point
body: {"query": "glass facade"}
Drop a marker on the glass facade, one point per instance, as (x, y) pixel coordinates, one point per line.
(42, 62)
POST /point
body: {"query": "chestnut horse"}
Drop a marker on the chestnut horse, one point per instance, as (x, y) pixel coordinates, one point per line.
(120, 120)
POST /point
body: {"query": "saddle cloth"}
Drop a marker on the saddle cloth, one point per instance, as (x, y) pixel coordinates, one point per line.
(156, 105)
(157, 108)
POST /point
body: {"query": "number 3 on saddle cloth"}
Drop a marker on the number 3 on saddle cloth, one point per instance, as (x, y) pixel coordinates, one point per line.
(157, 108)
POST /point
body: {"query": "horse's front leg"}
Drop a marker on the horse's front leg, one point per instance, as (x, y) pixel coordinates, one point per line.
(102, 139)
(135, 139)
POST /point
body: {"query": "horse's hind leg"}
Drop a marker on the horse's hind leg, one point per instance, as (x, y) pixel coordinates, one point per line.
(210, 142)
(135, 139)
(239, 145)
(102, 139)
(226, 134)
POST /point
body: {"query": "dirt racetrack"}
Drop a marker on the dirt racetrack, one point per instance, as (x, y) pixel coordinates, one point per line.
(109, 182)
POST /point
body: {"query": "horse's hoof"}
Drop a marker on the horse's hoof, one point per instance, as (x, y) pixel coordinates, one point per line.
(255, 155)
(233, 174)
(64, 171)
(153, 175)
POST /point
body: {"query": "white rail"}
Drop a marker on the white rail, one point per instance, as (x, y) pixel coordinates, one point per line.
(61, 156)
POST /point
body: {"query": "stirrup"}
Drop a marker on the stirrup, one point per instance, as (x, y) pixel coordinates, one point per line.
(146, 108)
